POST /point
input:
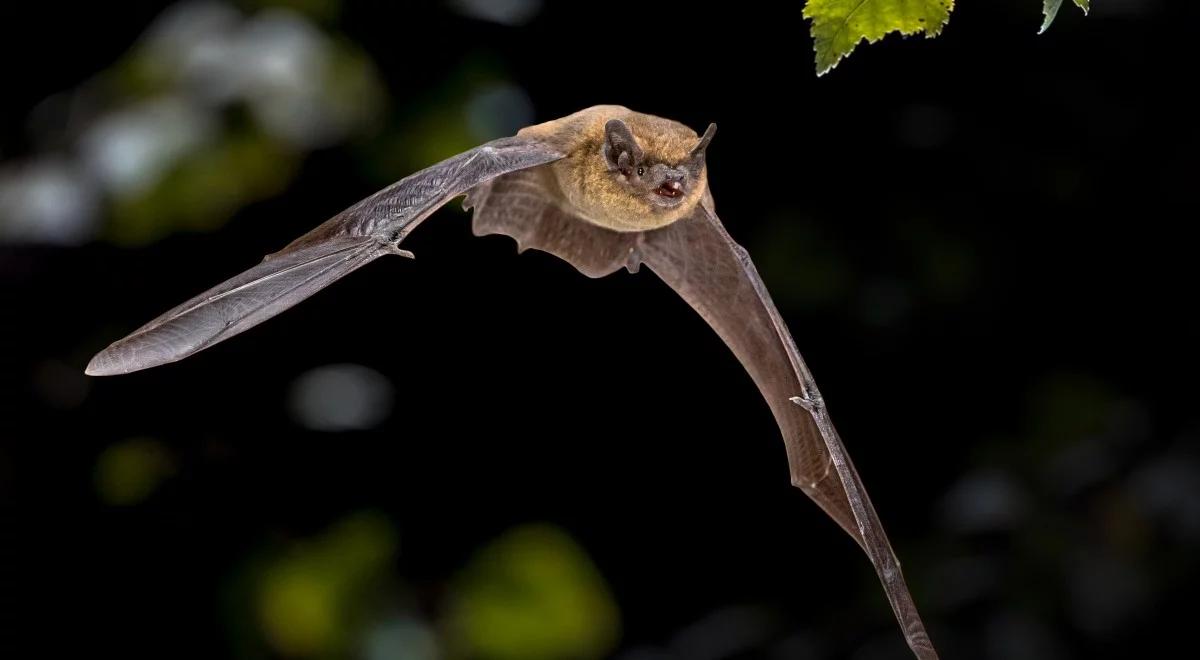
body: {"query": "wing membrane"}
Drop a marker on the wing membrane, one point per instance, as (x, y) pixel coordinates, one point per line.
(235, 305)
(697, 258)
(367, 230)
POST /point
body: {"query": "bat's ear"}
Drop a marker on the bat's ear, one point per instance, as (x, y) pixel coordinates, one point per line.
(620, 149)
(698, 150)
(696, 158)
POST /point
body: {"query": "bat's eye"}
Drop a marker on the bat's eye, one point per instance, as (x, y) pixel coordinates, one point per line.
(641, 171)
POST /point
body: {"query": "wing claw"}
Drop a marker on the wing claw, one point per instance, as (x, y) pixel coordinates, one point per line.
(812, 402)
(394, 248)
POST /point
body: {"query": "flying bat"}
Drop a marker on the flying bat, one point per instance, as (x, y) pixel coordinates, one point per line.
(605, 188)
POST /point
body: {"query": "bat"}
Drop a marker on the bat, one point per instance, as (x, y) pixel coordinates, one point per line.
(605, 188)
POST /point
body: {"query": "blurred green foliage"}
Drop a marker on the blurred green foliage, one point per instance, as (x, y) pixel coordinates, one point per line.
(246, 157)
(313, 599)
(213, 109)
(435, 125)
(532, 594)
(130, 471)
(204, 189)
(319, 10)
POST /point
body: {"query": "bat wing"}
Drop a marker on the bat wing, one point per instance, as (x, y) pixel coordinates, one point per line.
(697, 258)
(367, 230)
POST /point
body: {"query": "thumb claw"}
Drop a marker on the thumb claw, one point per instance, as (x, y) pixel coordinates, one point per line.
(809, 402)
(395, 249)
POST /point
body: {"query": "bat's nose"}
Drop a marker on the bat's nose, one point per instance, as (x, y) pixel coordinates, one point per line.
(670, 188)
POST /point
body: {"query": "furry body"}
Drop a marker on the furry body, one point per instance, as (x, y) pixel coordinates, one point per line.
(580, 184)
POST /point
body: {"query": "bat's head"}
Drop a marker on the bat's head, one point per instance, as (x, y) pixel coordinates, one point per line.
(666, 171)
(631, 171)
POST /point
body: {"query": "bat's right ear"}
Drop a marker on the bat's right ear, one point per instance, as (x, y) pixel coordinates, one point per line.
(621, 150)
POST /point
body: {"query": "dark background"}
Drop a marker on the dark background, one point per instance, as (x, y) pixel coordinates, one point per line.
(978, 242)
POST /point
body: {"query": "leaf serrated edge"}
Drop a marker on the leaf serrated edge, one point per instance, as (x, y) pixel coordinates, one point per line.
(1049, 11)
(930, 33)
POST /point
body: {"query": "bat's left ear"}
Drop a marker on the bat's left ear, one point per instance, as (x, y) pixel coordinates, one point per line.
(698, 150)
(696, 158)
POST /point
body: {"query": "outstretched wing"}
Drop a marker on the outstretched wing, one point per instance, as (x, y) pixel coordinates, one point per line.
(698, 259)
(371, 228)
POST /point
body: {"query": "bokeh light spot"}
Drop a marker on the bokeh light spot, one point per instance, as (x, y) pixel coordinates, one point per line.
(498, 111)
(310, 598)
(533, 594)
(130, 471)
(504, 12)
(341, 397)
(401, 637)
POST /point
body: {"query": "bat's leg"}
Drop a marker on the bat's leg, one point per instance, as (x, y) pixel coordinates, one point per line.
(870, 529)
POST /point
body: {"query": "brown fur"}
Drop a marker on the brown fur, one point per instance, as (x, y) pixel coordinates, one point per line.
(582, 182)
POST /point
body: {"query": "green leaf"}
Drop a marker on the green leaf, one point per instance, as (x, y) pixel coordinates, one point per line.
(839, 25)
(1050, 10)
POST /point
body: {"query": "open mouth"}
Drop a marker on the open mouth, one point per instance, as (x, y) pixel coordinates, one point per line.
(670, 189)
